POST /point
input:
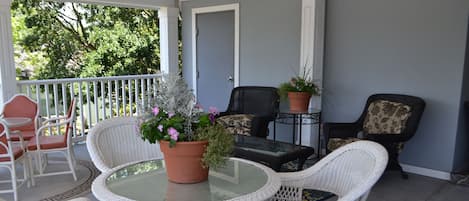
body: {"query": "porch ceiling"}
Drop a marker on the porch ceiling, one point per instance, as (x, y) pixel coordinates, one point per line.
(152, 4)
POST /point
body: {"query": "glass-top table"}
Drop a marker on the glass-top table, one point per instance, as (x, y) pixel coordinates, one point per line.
(13, 122)
(269, 152)
(147, 181)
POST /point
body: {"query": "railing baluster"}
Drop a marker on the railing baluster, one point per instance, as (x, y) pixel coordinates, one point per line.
(117, 98)
(72, 95)
(95, 100)
(103, 100)
(142, 85)
(82, 116)
(64, 98)
(46, 87)
(109, 87)
(136, 97)
(56, 103)
(129, 85)
(38, 94)
(28, 91)
(149, 88)
(88, 102)
(154, 87)
(124, 101)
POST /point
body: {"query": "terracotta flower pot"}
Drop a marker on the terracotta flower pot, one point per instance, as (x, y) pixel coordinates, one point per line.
(299, 101)
(184, 161)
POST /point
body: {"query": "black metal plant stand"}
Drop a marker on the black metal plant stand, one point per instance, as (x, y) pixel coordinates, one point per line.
(300, 118)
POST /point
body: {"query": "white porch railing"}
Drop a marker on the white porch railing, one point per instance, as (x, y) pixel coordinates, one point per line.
(97, 98)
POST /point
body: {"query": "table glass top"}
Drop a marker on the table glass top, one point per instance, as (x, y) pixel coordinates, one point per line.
(16, 121)
(265, 146)
(148, 181)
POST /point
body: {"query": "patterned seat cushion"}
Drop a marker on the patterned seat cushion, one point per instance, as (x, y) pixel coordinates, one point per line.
(335, 143)
(237, 123)
(386, 117)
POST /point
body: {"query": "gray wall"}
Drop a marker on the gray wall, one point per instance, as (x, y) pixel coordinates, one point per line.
(269, 39)
(270, 35)
(461, 152)
(412, 47)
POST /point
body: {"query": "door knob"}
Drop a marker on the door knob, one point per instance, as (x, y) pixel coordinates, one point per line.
(230, 78)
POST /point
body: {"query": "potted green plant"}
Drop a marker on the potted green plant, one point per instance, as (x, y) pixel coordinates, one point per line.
(190, 139)
(299, 90)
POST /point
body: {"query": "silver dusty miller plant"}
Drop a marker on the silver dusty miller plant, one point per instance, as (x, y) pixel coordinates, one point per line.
(174, 96)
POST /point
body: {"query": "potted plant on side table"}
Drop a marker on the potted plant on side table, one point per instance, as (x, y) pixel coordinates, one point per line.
(190, 139)
(299, 90)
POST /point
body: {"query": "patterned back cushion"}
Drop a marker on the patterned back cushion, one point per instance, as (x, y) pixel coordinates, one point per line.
(237, 124)
(386, 117)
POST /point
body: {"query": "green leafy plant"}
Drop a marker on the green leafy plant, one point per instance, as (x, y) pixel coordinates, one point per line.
(298, 84)
(174, 116)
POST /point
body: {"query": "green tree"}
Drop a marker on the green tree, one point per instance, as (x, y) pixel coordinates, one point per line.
(68, 40)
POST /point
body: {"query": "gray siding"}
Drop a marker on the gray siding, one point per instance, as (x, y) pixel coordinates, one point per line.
(269, 39)
(461, 151)
(412, 47)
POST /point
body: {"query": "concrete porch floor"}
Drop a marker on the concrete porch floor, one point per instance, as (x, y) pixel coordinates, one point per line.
(391, 187)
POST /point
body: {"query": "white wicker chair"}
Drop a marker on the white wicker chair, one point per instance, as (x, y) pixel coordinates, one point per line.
(349, 172)
(116, 141)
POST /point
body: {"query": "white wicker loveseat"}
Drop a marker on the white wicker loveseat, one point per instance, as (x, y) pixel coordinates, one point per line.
(349, 172)
(116, 141)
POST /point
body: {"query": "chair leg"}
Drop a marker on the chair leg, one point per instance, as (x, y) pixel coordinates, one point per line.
(404, 175)
(70, 164)
(31, 170)
(393, 163)
(74, 158)
(26, 172)
(39, 162)
(14, 184)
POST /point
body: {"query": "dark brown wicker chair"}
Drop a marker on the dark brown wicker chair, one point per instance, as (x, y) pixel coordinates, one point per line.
(389, 119)
(250, 110)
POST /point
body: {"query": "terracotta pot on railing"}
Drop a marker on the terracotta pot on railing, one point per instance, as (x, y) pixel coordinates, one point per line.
(299, 101)
(184, 161)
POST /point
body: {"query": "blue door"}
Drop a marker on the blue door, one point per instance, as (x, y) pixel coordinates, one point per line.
(215, 58)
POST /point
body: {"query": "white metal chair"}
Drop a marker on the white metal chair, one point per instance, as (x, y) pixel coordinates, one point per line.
(43, 145)
(116, 141)
(10, 155)
(349, 172)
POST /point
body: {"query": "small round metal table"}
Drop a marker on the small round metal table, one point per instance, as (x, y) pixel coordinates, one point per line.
(14, 122)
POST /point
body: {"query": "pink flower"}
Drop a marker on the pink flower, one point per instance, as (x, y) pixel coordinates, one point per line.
(160, 127)
(173, 133)
(213, 110)
(171, 114)
(156, 110)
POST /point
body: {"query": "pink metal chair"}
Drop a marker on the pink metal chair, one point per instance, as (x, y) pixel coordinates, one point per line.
(10, 155)
(22, 106)
(43, 144)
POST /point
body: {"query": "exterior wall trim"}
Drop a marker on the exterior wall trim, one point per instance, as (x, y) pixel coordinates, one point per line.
(438, 174)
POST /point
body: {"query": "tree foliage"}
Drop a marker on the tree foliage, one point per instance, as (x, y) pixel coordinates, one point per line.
(64, 40)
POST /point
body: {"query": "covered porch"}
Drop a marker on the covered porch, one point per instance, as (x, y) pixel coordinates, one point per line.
(390, 187)
(353, 49)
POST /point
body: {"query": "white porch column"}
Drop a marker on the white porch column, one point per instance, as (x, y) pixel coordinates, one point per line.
(168, 39)
(7, 62)
(312, 47)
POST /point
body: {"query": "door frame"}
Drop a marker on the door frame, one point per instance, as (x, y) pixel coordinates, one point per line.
(212, 9)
